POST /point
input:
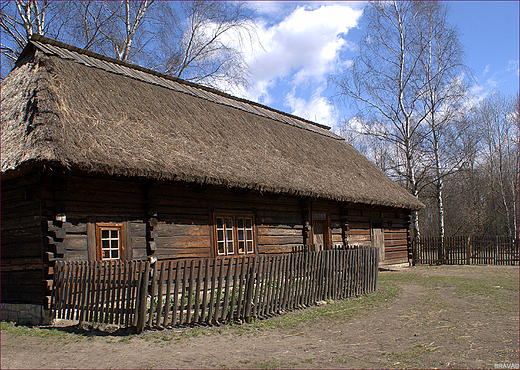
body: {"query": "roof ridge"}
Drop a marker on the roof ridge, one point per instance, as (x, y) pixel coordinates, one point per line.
(46, 40)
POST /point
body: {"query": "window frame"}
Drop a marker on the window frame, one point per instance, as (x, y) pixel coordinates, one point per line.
(235, 234)
(100, 226)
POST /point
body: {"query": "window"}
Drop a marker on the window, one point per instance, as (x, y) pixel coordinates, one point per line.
(109, 241)
(234, 235)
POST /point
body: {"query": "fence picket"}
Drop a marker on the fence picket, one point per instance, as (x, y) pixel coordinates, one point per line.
(176, 291)
(466, 250)
(137, 293)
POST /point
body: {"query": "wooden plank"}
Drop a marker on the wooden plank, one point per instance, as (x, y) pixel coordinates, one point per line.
(281, 284)
(270, 285)
(79, 291)
(160, 306)
(143, 294)
(197, 291)
(70, 291)
(122, 296)
(167, 308)
(234, 292)
(218, 294)
(227, 284)
(204, 307)
(58, 289)
(130, 295)
(276, 284)
(184, 286)
(176, 289)
(190, 292)
(258, 287)
(241, 283)
(249, 289)
(110, 301)
(211, 303)
(286, 282)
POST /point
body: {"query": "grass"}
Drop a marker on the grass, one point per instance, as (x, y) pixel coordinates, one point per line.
(445, 306)
(440, 317)
(45, 333)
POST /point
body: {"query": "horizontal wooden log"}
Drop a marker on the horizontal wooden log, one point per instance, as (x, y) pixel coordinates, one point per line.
(358, 232)
(397, 248)
(395, 236)
(78, 182)
(392, 243)
(184, 242)
(276, 231)
(75, 242)
(395, 255)
(164, 229)
(355, 238)
(337, 238)
(396, 230)
(25, 294)
(21, 249)
(76, 256)
(21, 264)
(183, 253)
(27, 277)
(75, 228)
(359, 225)
(267, 249)
(280, 240)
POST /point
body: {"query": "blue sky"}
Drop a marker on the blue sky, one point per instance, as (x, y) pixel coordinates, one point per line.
(304, 42)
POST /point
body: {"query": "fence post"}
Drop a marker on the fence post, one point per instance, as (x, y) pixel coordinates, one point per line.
(249, 290)
(143, 295)
(468, 250)
(414, 252)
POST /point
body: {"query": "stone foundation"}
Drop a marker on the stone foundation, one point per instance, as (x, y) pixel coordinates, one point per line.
(25, 313)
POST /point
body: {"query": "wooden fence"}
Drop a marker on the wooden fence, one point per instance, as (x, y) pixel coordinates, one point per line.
(209, 291)
(106, 291)
(466, 250)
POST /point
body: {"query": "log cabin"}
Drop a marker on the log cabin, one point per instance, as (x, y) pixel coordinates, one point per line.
(107, 160)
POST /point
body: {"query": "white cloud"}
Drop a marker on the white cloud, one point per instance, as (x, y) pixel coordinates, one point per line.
(300, 50)
(316, 109)
(306, 42)
(297, 46)
(512, 66)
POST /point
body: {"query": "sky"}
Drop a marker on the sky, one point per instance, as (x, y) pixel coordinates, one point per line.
(302, 43)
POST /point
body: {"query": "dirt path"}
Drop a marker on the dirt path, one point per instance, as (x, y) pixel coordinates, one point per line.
(445, 317)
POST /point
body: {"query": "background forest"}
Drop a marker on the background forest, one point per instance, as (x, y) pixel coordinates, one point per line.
(415, 115)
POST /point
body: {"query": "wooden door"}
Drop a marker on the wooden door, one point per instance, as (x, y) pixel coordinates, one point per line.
(378, 241)
(320, 231)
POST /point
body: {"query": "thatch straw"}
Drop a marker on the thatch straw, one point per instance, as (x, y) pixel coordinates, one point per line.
(83, 112)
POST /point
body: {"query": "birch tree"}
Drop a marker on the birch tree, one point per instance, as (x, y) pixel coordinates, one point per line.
(386, 86)
(443, 70)
(498, 121)
(21, 19)
(197, 41)
(408, 84)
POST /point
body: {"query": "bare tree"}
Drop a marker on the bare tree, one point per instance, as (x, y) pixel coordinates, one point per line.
(443, 71)
(207, 43)
(21, 19)
(198, 41)
(498, 122)
(109, 27)
(386, 84)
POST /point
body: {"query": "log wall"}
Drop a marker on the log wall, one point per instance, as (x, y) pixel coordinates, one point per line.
(22, 265)
(50, 215)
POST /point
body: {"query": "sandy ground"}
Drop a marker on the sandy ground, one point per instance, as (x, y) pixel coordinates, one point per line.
(439, 317)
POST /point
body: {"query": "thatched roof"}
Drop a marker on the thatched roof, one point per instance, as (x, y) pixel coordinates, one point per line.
(62, 105)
